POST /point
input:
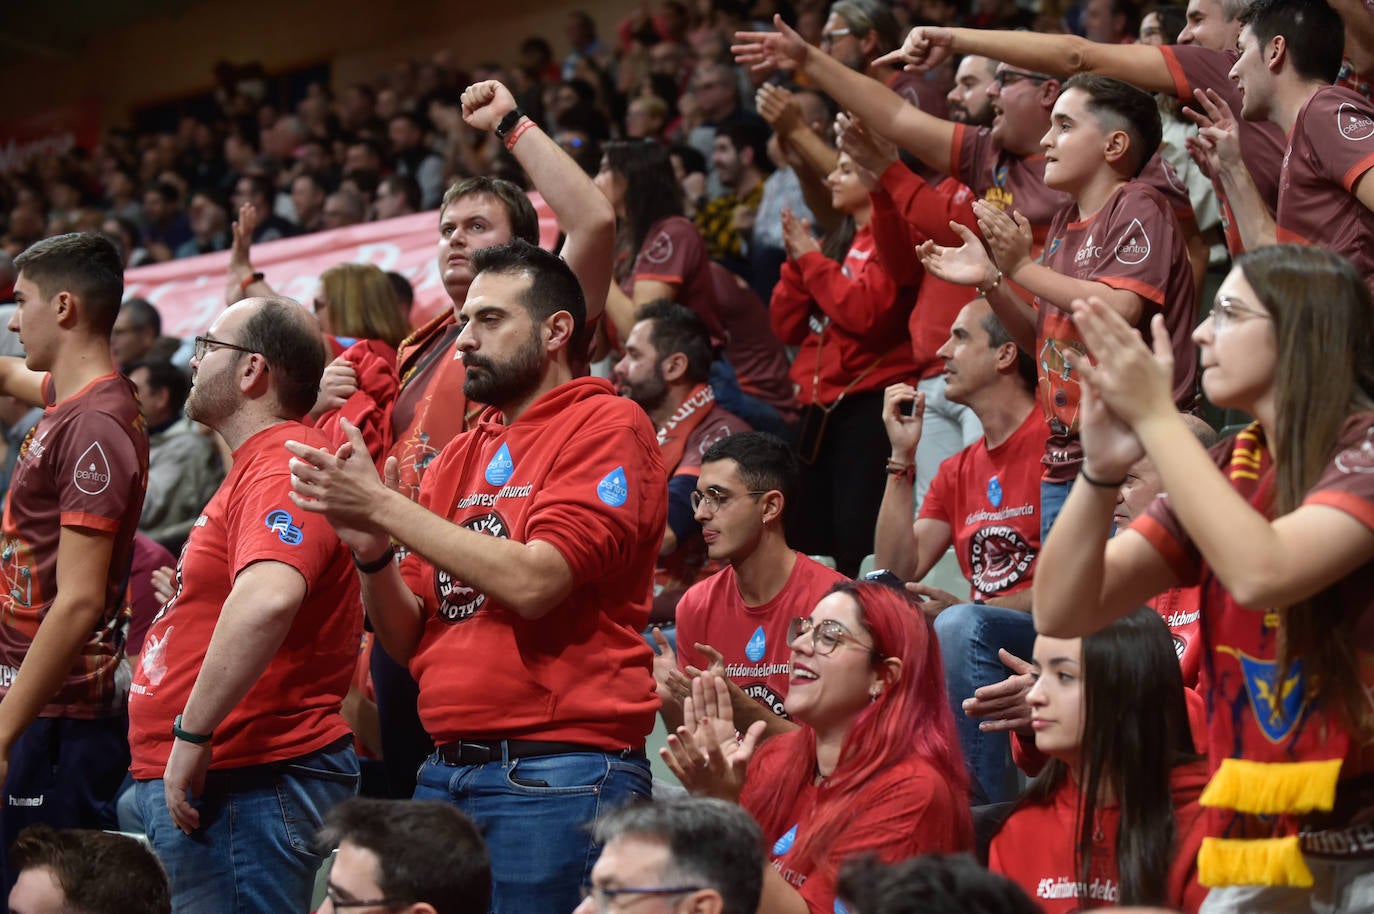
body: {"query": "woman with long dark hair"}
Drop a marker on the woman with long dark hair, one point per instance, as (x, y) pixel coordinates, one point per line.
(1277, 526)
(874, 767)
(846, 312)
(1113, 817)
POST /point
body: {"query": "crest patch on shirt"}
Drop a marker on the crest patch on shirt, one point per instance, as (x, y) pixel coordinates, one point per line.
(92, 471)
(1355, 125)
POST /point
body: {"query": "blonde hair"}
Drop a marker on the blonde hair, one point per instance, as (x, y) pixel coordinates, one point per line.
(362, 303)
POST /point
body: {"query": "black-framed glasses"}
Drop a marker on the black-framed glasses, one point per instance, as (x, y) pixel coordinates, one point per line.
(204, 344)
(714, 501)
(1006, 77)
(825, 636)
(604, 896)
(331, 892)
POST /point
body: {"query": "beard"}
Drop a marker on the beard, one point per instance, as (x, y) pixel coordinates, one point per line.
(500, 383)
(649, 393)
(211, 398)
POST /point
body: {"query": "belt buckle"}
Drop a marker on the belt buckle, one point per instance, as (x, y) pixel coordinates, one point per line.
(476, 749)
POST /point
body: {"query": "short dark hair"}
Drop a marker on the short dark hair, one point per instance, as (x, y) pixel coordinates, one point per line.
(747, 133)
(553, 285)
(163, 375)
(1313, 32)
(932, 884)
(100, 873)
(406, 186)
(261, 186)
(285, 335)
(677, 328)
(87, 264)
(164, 189)
(710, 842)
(427, 851)
(765, 461)
(1118, 105)
(524, 221)
(1025, 362)
(143, 314)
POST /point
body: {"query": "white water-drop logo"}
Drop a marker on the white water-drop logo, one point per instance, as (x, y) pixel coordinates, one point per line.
(92, 472)
(1134, 246)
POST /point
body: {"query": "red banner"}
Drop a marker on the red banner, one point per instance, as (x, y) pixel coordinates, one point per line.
(189, 293)
(57, 132)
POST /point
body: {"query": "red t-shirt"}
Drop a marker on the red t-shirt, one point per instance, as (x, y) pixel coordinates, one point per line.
(1329, 150)
(849, 321)
(1011, 182)
(430, 407)
(1180, 608)
(85, 466)
(1133, 243)
(1035, 849)
(905, 810)
(579, 470)
(991, 500)
(293, 708)
(675, 253)
(1261, 143)
(752, 639)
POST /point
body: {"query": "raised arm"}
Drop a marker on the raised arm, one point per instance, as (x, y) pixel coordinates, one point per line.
(924, 136)
(1054, 55)
(583, 212)
(1218, 140)
(908, 549)
(21, 382)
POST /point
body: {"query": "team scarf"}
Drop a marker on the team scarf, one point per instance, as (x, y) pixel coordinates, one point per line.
(674, 433)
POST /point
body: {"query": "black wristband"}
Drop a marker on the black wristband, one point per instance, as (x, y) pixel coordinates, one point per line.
(508, 122)
(376, 564)
(1101, 484)
(187, 736)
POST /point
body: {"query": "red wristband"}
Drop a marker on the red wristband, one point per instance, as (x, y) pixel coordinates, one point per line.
(514, 136)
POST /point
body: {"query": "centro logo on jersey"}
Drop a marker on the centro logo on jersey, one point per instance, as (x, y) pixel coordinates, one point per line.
(457, 601)
(92, 471)
(1089, 251)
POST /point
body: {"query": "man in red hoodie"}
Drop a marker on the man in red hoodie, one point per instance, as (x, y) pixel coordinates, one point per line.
(530, 557)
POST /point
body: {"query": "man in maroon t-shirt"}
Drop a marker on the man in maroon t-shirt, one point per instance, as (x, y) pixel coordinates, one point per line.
(68, 534)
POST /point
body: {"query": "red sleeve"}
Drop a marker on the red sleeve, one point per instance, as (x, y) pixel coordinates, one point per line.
(265, 525)
(97, 469)
(893, 241)
(790, 307)
(939, 496)
(604, 494)
(1347, 484)
(928, 209)
(370, 406)
(1341, 130)
(855, 304)
(1026, 756)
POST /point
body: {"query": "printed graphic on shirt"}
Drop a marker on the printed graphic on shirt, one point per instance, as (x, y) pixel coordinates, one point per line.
(1358, 459)
(999, 557)
(995, 492)
(614, 489)
(1059, 389)
(784, 844)
(280, 522)
(154, 660)
(457, 601)
(1101, 890)
(92, 471)
(16, 564)
(1134, 247)
(1354, 124)
(757, 646)
(660, 250)
(501, 467)
(1278, 707)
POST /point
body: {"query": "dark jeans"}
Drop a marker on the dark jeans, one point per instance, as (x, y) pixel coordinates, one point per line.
(405, 744)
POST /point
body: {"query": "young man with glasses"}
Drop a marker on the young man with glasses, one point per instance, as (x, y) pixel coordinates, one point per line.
(697, 855)
(736, 620)
(239, 747)
(68, 536)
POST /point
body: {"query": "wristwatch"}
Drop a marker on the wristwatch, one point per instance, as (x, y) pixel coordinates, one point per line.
(508, 122)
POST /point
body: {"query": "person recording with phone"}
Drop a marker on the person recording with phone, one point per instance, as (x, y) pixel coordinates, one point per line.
(985, 502)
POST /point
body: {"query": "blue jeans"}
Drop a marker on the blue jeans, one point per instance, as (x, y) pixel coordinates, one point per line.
(969, 635)
(1052, 498)
(254, 851)
(535, 814)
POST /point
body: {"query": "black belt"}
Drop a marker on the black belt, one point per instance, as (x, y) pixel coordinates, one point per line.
(480, 752)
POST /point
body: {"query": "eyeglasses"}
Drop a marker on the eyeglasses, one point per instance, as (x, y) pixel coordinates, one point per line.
(604, 896)
(340, 903)
(1228, 311)
(830, 36)
(205, 344)
(825, 636)
(1004, 78)
(714, 501)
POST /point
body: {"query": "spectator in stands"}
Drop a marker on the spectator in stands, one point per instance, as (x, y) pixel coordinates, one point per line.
(234, 706)
(86, 872)
(257, 191)
(703, 854)
(646, 118)
(735, 622)
(413, 857)
(666, 369)
(341, 208)
(716, 93)
(184, 467)
(1114, 815)
(970, 100)
(740, 162)
(209, 225)
(397, 195)
(859, 34)
(136, 331)
(1110, 21)
(848, 315)
(1264, 351)
(413, 158)
(985, 503)
(165, 226)
(860, 775)
(308, 193)
(933, 884)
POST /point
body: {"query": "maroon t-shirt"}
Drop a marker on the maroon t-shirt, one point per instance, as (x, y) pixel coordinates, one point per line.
(84, 466)
(1134, 243)
(1011, 182)
(754, 351)
(1330, 149)
(674, 253)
